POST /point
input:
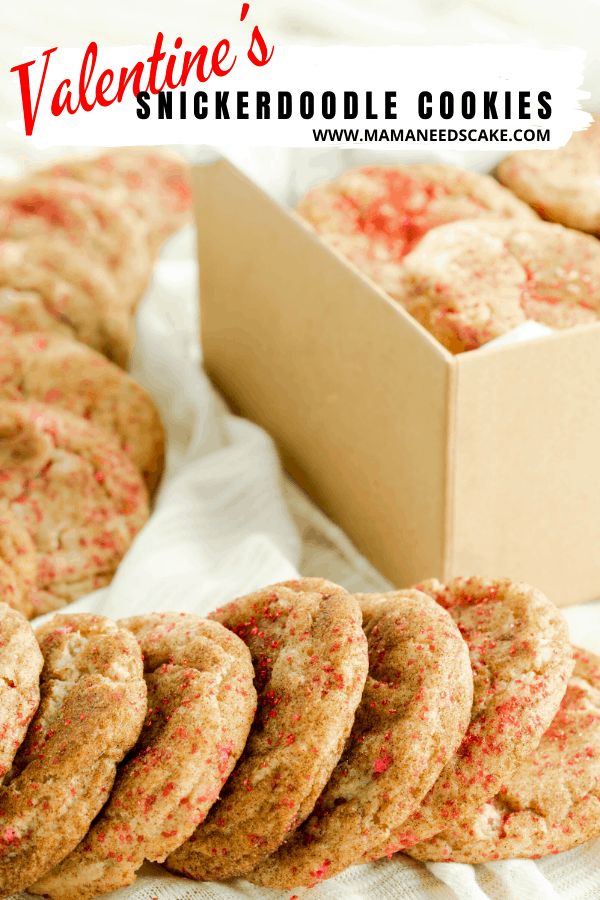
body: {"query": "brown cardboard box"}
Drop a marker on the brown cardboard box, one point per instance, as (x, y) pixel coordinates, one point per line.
(435, 465)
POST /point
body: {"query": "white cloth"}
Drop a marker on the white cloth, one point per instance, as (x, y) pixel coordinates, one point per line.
(226, 521)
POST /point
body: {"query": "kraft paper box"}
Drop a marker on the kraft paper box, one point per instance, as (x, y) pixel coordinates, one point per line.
(435, 465)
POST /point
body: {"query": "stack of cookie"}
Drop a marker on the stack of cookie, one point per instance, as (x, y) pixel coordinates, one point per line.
(81, 444)
(77, 242)
(464, 255)
(297, 731)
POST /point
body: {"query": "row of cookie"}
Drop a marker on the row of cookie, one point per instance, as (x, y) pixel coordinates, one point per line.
(297, 731)
(460, 252)
(77, 243)
(81, 450)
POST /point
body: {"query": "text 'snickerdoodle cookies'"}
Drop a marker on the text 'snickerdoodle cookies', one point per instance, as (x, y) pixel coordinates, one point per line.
(375, 215)
(552, 801)
(310, 657)
(562, 185)
(521, 660)
(20, 666)
(201, 702)
(64, 373)
(93, 702)
(415, 708)
(75, 491)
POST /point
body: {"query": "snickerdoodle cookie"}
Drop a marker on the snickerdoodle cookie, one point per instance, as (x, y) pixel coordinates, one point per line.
(95, 224)
(201, 703)
(18, 564)
(552, 800)
(562, 185)
(50, 369)
(413, 714)
(471, 281)
(375, 215)
(93, 702)
(154, 181)
(20, 667)
(45, 286)
(521, 660)
(75, 491)
(310, 658)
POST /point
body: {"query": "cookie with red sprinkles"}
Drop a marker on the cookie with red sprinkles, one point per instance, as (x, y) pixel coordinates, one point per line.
(155, 182)
(551, 802)
(96, 225)
(46, 286)
(414, 711)
(472, 281)
(375, 215)
(75, 491)
(18, 564)
(201, 702)
(562, 272)
(93, 702)
(521, 661)
(25, 310)
(310, 659)
(49, 369)
(20, 667)
(561, 185)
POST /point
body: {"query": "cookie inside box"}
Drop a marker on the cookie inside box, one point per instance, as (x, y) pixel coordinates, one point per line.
(434, 464)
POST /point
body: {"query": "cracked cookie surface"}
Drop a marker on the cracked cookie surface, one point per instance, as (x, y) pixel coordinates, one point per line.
(551, 802)
(375, 215)
(20, 666)
(76, 493)
(201, 702)
(93, 702)
(46, 286)
(60, 372)
(18, 564)
(472, 281)
(310, 658)
(154, 181)
(413, 714)
(94, 223)
(521, 661)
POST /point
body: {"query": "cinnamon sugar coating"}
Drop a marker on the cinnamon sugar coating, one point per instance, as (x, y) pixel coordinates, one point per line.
(154, 183)
(95, 224)
(551, 802)
(310, 658)
(561, 185)
(375, 215)
(50, 369)
(201, 703)
(472, 281)
(18, 564)
(46, 286)
(93, 702)
(521, 660)
(76, 493)
(414, 711)
(20, 667)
